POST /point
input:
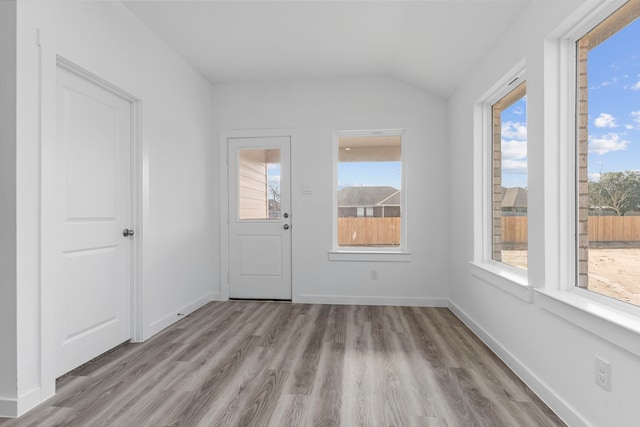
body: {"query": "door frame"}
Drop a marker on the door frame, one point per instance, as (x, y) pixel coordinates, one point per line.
(48, 169)
(224, 137)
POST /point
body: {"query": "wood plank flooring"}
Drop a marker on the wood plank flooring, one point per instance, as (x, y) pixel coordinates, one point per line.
(246, 363)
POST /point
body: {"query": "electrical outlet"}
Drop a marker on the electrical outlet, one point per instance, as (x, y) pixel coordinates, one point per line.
(374, 274)
(603, 373)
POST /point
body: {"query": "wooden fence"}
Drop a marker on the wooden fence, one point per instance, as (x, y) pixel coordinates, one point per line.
(386, 231)
(614, 228)
(601, 229)
(368, 231)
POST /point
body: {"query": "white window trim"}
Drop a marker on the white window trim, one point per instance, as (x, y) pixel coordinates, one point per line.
(346, 253)
(508, 278)
(610, 319)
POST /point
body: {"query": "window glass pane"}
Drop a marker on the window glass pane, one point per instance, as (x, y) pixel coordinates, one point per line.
(608, 161)
(369, 190)
(509, 198)
(259, 184)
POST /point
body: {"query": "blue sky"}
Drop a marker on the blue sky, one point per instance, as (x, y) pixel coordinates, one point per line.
(366, 174)
(614, 121)
(614, 112)
(355, 174)
(514, 144)
(614, 103)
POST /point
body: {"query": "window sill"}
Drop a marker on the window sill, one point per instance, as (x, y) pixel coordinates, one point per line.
(503, 278)
(609, 323)
(365, 256)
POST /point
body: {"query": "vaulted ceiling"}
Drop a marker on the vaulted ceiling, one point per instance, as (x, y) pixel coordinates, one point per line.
(429, 43)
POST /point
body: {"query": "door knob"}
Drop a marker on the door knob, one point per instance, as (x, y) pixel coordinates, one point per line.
(286, 226)
(127, 232)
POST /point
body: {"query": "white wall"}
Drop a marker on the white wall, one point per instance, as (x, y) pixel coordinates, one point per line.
(554, 356)
(179, 252)
(317, 108)
(7, 203)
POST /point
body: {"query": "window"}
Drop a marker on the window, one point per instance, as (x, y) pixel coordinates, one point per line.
(259, 188)
(608, 156)
(509, 177)
(369, 197)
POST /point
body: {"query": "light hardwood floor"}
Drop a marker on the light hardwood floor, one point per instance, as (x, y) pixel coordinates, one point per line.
(243, 363)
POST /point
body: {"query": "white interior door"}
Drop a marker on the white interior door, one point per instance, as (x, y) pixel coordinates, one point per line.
(259, 218)
(93, 207)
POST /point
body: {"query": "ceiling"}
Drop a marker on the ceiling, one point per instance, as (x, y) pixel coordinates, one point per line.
(428, 43)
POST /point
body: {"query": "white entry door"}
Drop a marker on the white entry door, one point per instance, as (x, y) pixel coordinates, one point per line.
(259, 218)
(92, 210)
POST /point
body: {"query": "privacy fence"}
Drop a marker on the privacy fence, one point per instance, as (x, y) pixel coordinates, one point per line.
(386, 231)
(601, 229)
(369, 231)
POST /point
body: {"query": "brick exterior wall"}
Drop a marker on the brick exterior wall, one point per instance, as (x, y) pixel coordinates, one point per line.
(582, 154)
(496, 179)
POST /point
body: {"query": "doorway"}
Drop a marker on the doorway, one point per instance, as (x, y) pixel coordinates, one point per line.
(91, 220)
(259, 220)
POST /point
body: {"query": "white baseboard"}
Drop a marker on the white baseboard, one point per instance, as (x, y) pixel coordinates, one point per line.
(367, 300)
(13, 408)
(171, 318)
(565, 411)
(8, 407)
(31, 399)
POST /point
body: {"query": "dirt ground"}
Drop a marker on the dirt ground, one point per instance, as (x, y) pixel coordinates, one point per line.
(612, 272)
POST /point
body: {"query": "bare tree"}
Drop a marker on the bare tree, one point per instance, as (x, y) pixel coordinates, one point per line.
(616, 191)
(274, 190)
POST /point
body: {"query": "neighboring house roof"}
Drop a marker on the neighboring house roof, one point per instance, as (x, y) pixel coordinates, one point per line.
(392, 200)
(368, 196)
(514, 197)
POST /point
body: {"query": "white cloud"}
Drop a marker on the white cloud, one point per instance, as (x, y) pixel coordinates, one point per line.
(594, 177)
(514, 150)
(514, 166)
(514, 130)
(635, 86)
(605, 120)
(607, 143)
(514, 156)
(635, 118)
(610, 82)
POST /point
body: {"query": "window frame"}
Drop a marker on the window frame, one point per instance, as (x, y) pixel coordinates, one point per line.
(509, 278)
(358, 253)
(607, 318)
(571, 59)
(512, 88)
